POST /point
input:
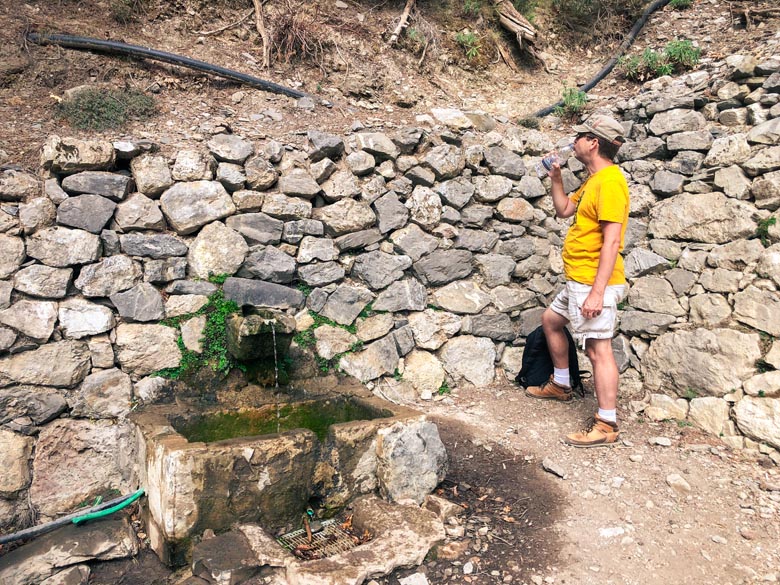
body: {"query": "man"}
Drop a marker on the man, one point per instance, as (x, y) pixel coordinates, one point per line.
(595, 281)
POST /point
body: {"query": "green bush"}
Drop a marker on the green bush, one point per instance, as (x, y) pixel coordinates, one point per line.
(681, 4)
(574, 101)
(472, 7)
(676, 57)
(126, 11)
(526, 7)
(101, 109)
(470, 43)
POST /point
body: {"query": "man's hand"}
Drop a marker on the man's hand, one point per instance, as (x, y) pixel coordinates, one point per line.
(555, 172)
(593, 305)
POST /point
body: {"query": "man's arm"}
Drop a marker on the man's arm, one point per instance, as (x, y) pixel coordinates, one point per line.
(563, 205)
(610, 231)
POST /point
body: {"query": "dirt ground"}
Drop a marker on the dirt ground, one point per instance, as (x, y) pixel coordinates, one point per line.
(613, 518)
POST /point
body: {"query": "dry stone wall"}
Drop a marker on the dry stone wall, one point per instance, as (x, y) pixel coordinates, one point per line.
(432, 249)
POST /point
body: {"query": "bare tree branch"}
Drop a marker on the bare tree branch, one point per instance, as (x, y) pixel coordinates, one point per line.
(403, 22)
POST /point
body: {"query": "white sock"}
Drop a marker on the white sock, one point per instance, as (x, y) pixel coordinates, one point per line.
(561, 376)
(608, 415)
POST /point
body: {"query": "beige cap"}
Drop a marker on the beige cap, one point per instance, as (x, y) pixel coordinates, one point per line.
(604, 127)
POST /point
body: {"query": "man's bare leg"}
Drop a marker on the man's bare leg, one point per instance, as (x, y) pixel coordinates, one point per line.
(605, 371)
(553, 325)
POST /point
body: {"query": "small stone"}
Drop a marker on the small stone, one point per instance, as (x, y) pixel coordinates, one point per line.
(468, 568)
(551, 467)
(661, 441)
(636, 458)
(678, 484)
(718, 539)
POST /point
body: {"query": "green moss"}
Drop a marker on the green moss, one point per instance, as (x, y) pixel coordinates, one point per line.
(316, 416)
(102, 109)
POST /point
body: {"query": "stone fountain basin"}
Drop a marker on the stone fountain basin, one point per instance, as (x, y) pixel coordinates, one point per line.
(269, 479)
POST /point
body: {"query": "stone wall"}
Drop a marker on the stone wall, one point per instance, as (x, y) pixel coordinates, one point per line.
(432, 249)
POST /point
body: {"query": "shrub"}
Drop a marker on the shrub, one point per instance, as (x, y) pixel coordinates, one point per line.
(677, 56)
(598, 18)
(681, 4)
(526, 7)
(470, 43)
(126, 11)
(472, 7)
(101, 109)
(574, 101)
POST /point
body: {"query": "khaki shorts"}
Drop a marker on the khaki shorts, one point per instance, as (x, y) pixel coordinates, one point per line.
(568, 304)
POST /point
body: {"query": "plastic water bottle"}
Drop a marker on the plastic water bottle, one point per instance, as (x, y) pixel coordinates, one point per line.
(543, 166)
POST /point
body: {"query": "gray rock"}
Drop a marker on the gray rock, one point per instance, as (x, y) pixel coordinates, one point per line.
(140, 303)
(655, 293)
(390, 212)
(462, 297)
(293, 231)
(419, 175)
(142, 349)
(446, 161)
(262, 294)
(766, 191)
(764, 161)
(80, 318)
(104, 394)
(652, 147)
(476, 240)
(407, 139)
(665, 183)
(110, 242)
(322, 170)
(424, 207)
(320, 274)
(507, 299)
(411, 462)
(193, 165)
(298, 183)
(725, 358)
(358, 240)
(216, 250)
(151, 174)
(470, 358)
(260, 174)
(502, 161)
(110, 275)
(35, 319)
(378, 269)
(61, 364)
(139, 213)
(39, 404)
(728, 150)
(444, 266)
(86, 212)
(17, 185)
(345, 216)
(341, 185)
(188, 206)
(641, 262)
(230, 148)
(456, 192)
(377, 359)
(12, 254)
(191, 287)
(43, 560)
(402, 295)
(60, 247)
(345, 304)
(476, 215)
(36, 214)
(432, 328)
(231, 176)
(374, 327)
(531, 187)
(324, 145)
(111, 185)
(681, 120)
(71, 155)
(312, 248)
(758, 309)
(360, 163)
(413, 242)
(286, 208)
(152, 246)
(377, 144)
(497, 327)
(269, 264)
(708, 217)
(257, 228)
(43, 281)
(496, 269)
(694, 140)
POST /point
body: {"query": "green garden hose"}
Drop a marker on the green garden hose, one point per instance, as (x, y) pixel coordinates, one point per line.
(108, 511)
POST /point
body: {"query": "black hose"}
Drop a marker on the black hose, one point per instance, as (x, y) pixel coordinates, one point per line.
(90, 44)
(627, 42)
(43, 528)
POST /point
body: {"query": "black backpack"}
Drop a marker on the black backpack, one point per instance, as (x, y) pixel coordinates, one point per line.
(537, 363)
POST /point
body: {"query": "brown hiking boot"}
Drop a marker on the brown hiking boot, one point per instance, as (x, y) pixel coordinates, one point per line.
(550, 390)
(598, 433)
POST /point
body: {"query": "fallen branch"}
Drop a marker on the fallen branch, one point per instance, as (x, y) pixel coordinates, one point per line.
(99, 45)
(260, 26)
(402, 24)
(207, 33)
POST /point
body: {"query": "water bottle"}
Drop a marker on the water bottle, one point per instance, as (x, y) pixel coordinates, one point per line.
(543, 166)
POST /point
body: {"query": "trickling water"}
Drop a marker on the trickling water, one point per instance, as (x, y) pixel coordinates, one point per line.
(276, 380)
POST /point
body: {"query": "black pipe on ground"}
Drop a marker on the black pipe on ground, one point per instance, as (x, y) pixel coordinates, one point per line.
(114, 47)
(627, 42)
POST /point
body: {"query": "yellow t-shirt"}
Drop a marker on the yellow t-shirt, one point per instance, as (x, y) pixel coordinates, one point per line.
(603, 197)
